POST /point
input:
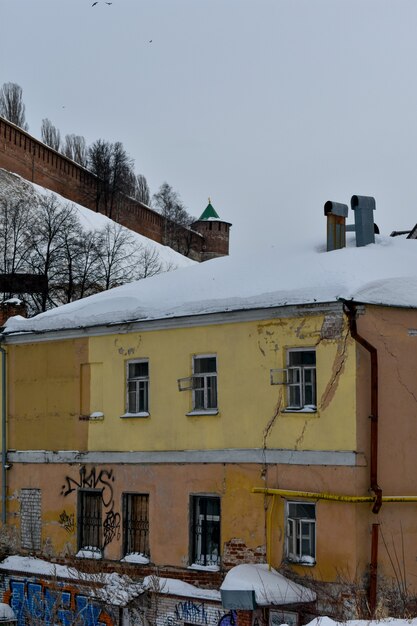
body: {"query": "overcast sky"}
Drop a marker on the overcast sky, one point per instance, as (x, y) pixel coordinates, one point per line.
(271, 107)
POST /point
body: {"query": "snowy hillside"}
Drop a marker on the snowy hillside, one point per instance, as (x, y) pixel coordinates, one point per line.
(12, 184)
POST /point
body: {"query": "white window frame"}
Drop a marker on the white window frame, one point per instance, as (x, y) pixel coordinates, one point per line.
(294, 377)
(193, 383)
(199, 539)
(296, 528)
(139, 380)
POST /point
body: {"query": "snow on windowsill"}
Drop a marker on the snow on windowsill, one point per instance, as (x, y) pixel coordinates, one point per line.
(203, 412)
(89, 553)
(308, 408)
(302, 560)
(204, 568)
(142, 414)
(135, 557)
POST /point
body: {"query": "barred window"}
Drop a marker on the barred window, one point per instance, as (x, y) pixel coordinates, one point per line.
(136, 523)
(89, 519)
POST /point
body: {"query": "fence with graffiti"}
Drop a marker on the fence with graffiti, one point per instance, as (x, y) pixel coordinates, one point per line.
(36, 603)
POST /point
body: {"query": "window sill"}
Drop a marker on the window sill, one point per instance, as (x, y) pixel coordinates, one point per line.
(203, 412)
(204, 568)
(135, 557)
(129, 415)
(307, 561)
(89, 553)
(305, 410)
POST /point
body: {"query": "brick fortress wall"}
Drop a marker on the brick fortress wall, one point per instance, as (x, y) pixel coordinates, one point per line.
(30, 158)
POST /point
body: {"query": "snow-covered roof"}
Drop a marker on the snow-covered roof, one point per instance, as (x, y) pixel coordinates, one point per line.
(111, 588)
(175, 587)
(287, 273)
(270, 587)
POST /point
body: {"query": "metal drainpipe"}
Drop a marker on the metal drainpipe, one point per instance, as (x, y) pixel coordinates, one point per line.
(350, 309)
(3, 435)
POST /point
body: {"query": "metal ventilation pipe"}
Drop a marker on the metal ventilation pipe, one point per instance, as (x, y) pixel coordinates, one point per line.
(364, 206)
(336, 224)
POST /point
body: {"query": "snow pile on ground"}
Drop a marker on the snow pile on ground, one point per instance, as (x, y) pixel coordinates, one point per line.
(270, 587)
(389, 621)
(289, 273)
(110, 588)
(174, 587)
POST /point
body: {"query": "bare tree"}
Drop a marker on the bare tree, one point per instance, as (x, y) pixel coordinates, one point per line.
(141, 190)
(114, 170)
(176, 218)
(51, 229)
(16, 216)
(11, 104)
(117, 261)
(99, 161)
(75, 148)
(50, 134)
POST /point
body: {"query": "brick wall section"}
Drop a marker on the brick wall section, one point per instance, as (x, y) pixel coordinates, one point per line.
(177, 610)
(30, 158)
(236, 552)
(332, 326)
(8, 309)
(244, 618)
(30, 519)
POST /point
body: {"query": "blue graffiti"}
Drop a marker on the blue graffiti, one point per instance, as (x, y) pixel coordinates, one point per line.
(191, 611)
(47, 606)
(230, 619)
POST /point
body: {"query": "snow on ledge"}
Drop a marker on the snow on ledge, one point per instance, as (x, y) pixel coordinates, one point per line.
(204, 568)
(112, 588)
(174, 587)
(270, 587)
(89, 553)
(135, 557)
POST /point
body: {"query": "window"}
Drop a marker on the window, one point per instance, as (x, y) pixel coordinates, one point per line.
(205, 530)
(30, 519)
(89, 519)
(203, 384)
(138, 387)
(136, 523)
(300, 379)
(301, 532)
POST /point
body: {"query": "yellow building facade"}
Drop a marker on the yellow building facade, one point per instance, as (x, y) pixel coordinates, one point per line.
(166, 443)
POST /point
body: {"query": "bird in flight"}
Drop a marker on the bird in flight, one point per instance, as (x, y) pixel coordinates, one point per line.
(94, 4)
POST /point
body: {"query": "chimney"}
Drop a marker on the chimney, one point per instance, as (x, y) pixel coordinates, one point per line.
(364, 207)
(336, 224)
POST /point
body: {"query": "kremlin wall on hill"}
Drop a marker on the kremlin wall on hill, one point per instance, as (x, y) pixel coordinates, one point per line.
(35, 161)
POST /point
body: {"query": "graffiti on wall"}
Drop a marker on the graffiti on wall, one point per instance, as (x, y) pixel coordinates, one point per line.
(102, 480)
(40, 603)
(230, 619)
(67, 520)
(198, 613)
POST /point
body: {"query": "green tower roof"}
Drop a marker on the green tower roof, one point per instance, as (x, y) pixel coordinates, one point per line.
(209, 213)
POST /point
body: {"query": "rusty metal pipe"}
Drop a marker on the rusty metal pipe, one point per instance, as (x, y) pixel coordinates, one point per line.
(350, 310)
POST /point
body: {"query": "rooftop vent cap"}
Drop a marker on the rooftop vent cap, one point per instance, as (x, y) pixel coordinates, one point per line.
(364, 206)
(336, 224)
